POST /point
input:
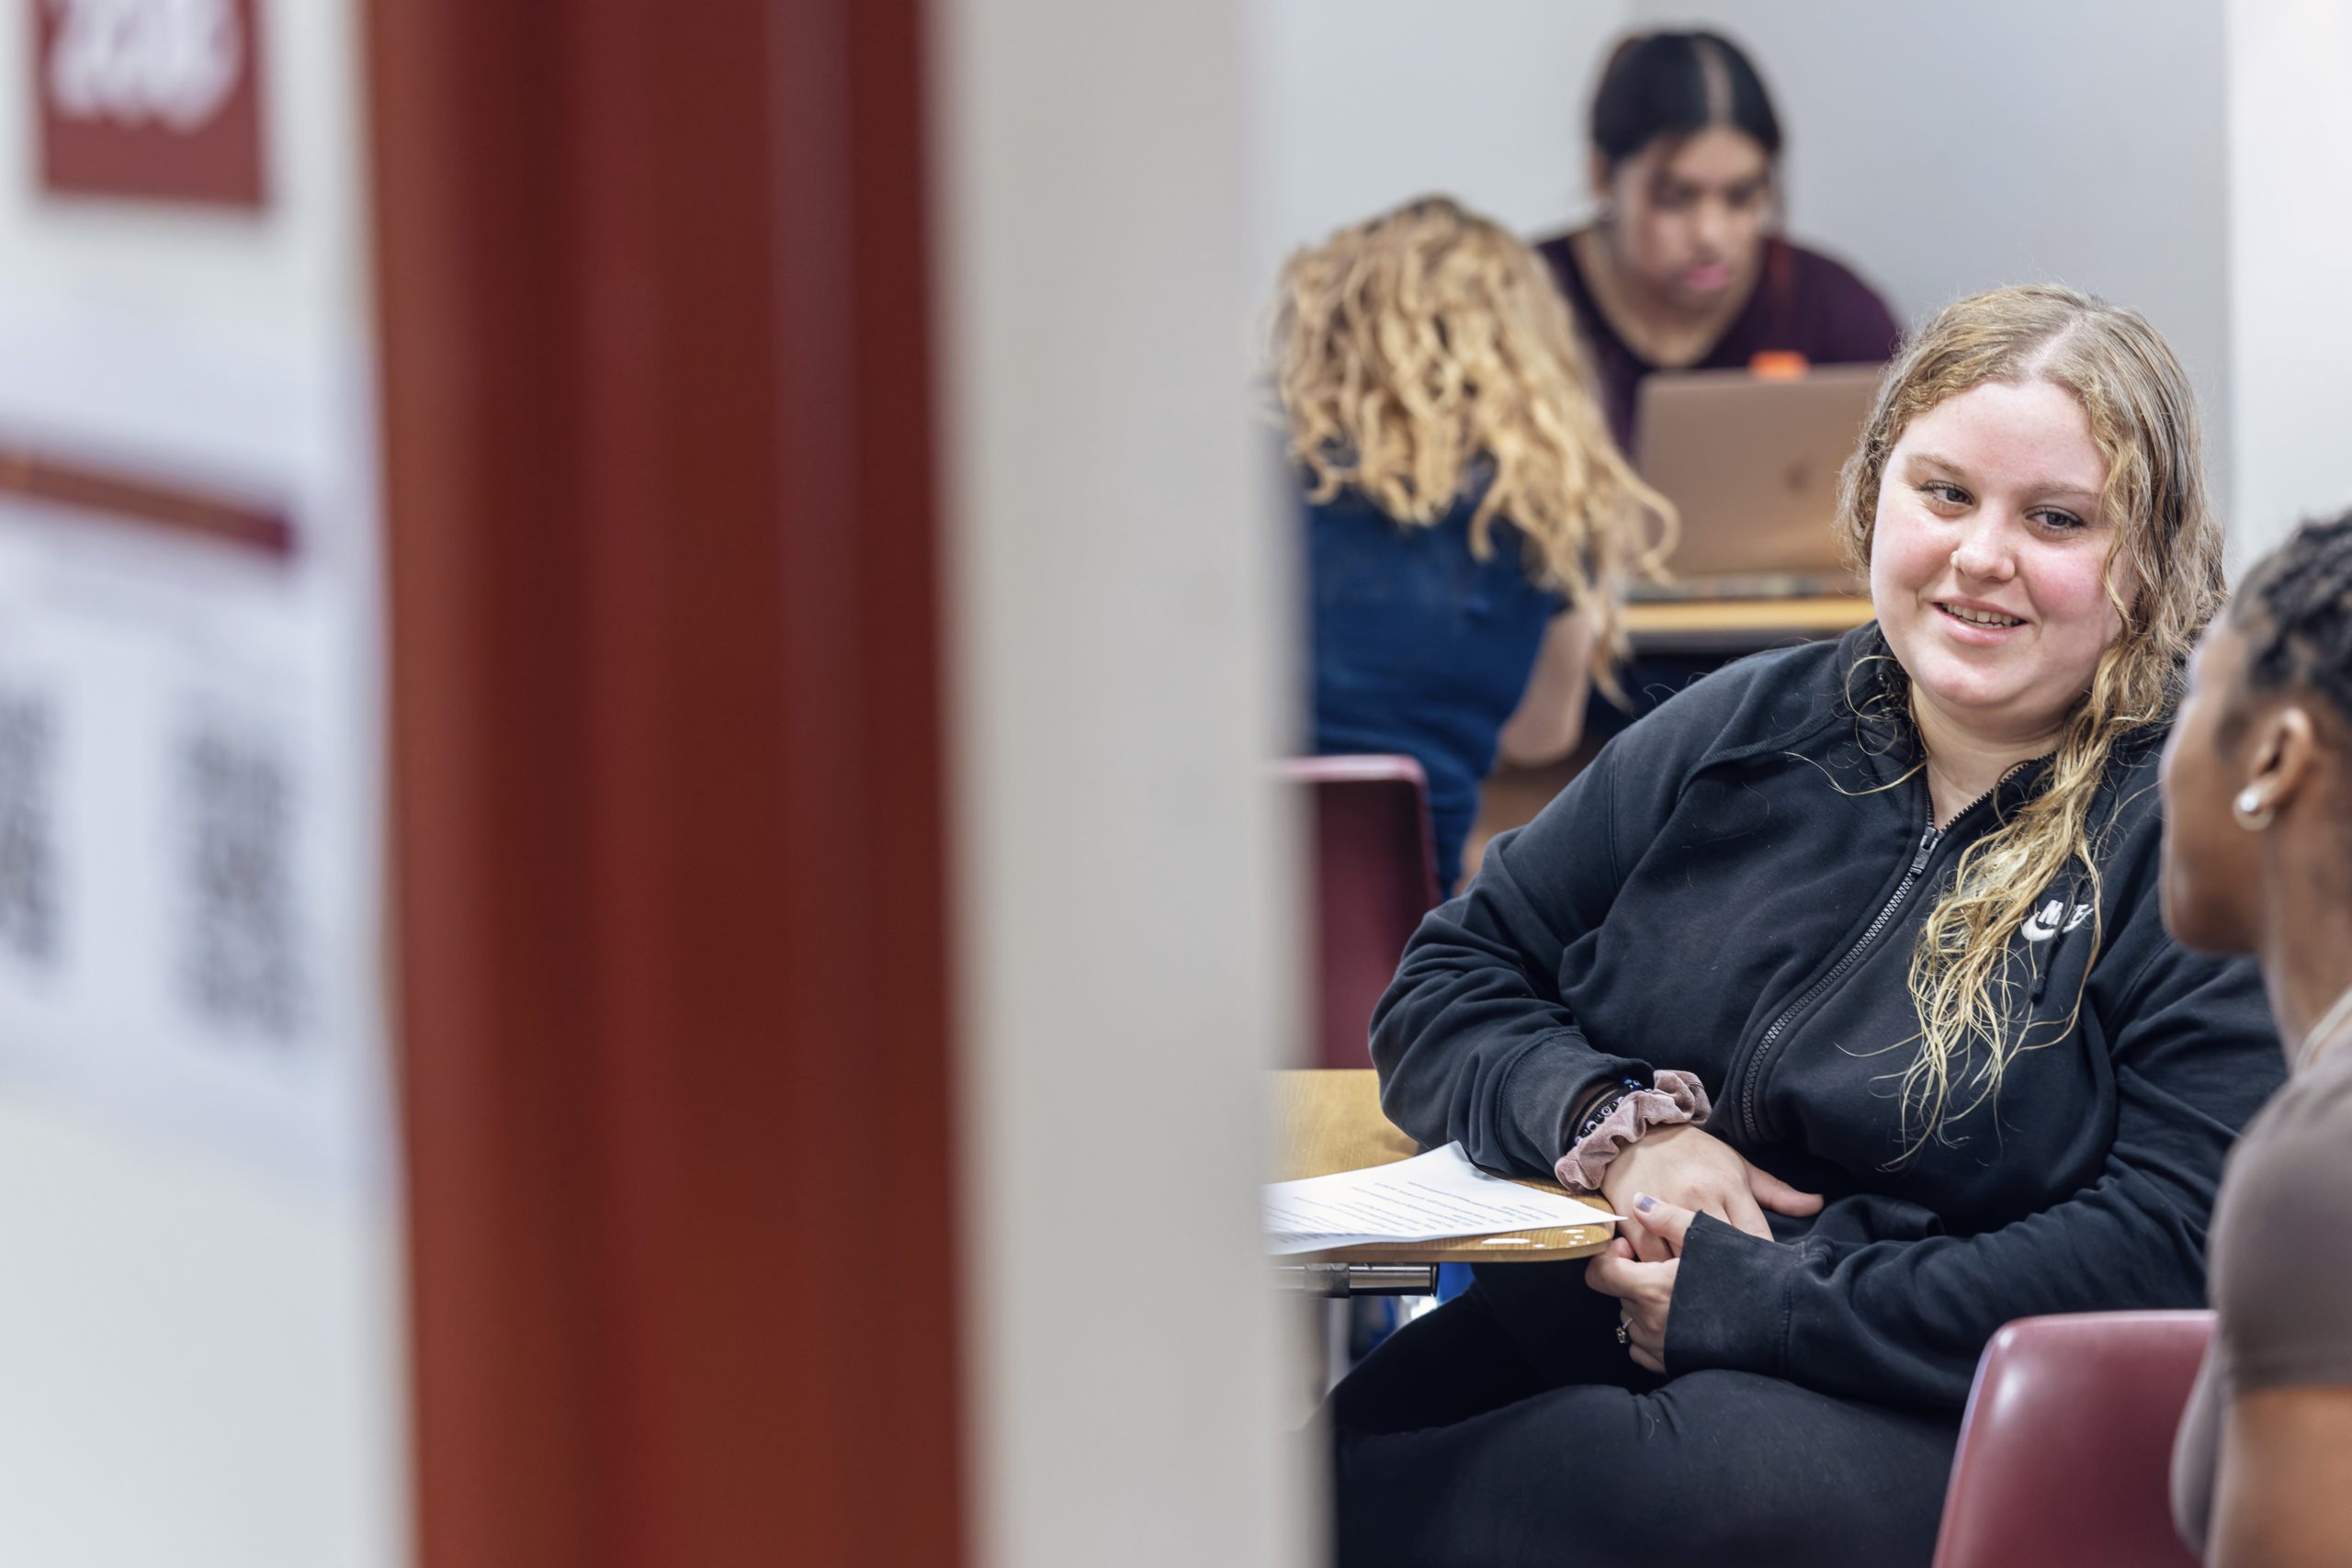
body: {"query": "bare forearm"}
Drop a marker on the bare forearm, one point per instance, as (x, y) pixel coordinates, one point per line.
(1549, 720)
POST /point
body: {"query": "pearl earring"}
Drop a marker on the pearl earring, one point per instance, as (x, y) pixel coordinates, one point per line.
(2252, 813)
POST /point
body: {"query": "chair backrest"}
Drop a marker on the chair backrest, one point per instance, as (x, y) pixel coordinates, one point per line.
(1373, 877)
(2065, 1453)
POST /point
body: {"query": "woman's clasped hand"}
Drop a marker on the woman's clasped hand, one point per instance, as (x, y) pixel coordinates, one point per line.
(1690, 1167)
(1710, 1176)
(1638, 1268)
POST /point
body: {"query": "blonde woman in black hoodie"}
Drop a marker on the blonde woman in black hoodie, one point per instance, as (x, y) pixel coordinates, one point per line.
(1843, 974)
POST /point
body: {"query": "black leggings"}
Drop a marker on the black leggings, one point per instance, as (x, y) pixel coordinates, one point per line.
(1509, 1428)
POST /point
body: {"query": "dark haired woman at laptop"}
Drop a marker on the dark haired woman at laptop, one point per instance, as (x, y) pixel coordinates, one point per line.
(1468, 516)
(1680, 270)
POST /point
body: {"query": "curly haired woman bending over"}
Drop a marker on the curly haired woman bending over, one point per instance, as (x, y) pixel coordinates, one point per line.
(1468, 514)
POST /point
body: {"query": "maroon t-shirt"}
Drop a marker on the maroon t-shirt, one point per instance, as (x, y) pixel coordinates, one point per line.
(1804, 303)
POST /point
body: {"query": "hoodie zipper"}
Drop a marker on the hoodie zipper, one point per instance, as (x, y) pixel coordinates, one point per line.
(1751, 1081)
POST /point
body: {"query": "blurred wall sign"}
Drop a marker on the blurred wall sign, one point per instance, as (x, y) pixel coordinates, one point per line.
(151, 98)
(186, 904)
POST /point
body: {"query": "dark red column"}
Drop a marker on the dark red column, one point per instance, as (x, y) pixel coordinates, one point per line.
(668, 780)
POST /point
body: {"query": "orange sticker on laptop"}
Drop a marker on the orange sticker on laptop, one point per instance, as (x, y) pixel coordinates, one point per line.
(1778, 364)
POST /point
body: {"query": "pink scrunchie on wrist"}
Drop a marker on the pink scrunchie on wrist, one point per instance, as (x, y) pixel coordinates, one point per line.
(1673, 1097)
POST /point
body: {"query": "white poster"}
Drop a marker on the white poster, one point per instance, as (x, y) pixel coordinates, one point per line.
(189, 901)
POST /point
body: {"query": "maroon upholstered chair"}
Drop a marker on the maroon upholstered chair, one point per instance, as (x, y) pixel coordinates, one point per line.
(1372, 876)
(2065, 1453)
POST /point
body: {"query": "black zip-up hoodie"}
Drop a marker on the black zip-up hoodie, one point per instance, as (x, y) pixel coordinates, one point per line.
(1733, 890)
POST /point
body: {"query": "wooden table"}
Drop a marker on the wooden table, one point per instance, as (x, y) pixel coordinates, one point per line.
(1332, 1121)
(1738, 626)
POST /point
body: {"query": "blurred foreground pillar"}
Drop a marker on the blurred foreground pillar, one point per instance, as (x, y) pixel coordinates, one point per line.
(667, 781)
(1121, 633)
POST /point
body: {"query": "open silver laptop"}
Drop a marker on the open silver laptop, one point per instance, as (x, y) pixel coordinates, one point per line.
(1751, 463)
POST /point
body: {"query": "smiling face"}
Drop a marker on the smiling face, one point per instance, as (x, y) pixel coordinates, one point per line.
(1690, 215)
(1989, 559)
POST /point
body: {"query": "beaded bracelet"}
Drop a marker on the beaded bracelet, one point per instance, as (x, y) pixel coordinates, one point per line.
(1602, 1107)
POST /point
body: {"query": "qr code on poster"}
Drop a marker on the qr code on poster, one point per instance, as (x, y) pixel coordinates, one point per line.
(243, 967)
(28, 827)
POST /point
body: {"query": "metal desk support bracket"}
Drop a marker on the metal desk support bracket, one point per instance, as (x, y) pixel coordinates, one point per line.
(1357, 1279)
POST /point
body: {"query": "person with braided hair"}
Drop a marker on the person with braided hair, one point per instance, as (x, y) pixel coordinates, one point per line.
(1843, 975)
(2257, 859)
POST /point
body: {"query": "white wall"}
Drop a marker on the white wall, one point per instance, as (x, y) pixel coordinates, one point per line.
(202, 1366)
(201, 1350)
(2290, 232)
(1357, 105)
(1118, 673)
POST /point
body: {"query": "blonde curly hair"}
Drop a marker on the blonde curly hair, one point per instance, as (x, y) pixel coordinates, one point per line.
(2143, 417)
(1429, 350)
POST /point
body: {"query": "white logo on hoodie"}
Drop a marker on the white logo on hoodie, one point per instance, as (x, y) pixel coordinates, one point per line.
(2054, 917)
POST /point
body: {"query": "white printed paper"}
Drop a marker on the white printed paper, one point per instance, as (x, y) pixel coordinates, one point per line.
(1431, 1197)
(191, 760)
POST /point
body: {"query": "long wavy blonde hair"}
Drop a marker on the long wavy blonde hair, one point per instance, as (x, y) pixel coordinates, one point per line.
(2165, 581)
(1428, 349)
